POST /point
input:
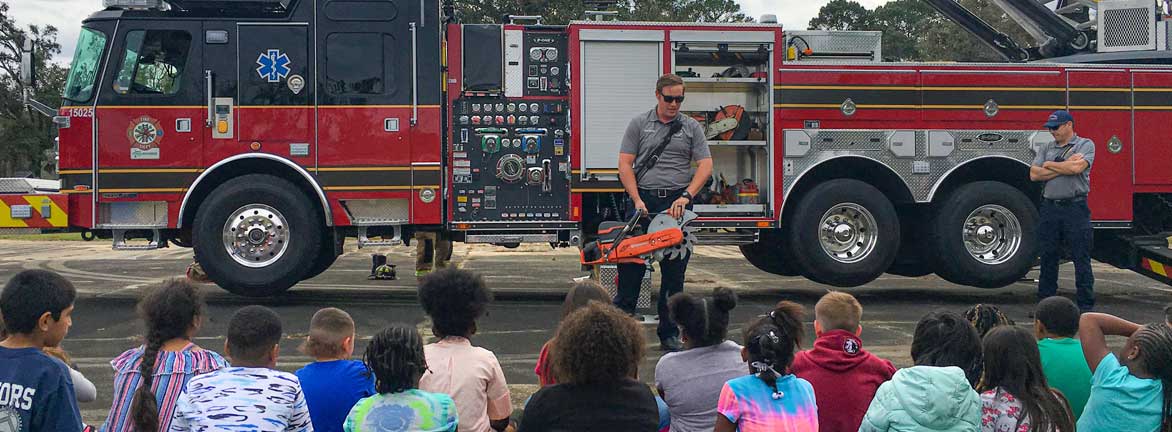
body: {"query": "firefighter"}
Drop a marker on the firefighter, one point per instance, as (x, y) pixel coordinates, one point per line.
(1065, 168)
(432, 252)
(656, 161)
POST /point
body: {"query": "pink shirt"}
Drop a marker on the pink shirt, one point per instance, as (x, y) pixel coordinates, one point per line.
(472, 377)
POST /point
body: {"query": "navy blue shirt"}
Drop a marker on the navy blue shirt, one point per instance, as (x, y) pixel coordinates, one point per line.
(333, 387)
(36, 393)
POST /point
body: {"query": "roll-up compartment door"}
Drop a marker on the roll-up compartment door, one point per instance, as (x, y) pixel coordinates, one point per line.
(618, 82)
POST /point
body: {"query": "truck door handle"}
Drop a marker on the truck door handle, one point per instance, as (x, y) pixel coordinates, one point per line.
(207, 75)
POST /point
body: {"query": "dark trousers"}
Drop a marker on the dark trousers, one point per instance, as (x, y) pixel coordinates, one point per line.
(1066, 223)
(671, 271)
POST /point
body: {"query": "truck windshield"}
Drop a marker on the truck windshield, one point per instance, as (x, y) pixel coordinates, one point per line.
(84, 69)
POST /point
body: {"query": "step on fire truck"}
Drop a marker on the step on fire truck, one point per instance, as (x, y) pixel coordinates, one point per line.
(263, 133)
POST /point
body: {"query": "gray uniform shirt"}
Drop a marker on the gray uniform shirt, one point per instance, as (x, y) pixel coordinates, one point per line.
(691, 381)
(674, 168)
(1067, 186)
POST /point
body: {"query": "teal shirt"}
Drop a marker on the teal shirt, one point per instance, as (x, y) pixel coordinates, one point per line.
(1066, 369)
(1119, 398)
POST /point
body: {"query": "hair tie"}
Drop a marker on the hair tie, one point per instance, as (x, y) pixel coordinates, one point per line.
(762, 367)
(773, 337)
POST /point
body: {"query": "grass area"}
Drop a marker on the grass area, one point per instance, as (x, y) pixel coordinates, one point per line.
(43, 237)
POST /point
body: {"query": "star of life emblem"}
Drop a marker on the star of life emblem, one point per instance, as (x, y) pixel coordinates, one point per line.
(273, 65)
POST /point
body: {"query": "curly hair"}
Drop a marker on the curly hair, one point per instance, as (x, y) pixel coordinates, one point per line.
(169, 310)
(1058, 315)
(454, 299)
(772, 339)
(395, 356)
(984, 317)
(704, 320)
(597, 343)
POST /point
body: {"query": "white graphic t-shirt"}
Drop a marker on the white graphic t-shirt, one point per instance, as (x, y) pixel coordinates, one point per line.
(235, 399)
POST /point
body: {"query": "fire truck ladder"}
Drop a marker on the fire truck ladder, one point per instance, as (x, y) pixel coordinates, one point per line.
(1055, 34)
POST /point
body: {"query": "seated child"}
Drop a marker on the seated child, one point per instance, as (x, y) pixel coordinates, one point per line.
(333, 383)
(1130, 389)
(598, 351)
(455, 299)
(1056, 328)
(844, 375)
(36, 392)
(395, 355)
(149, 378)
(580, 295)
(250, 395)
(771, 399)
(1014, 393)
(937, 393)
(690, 380)
(986, 316)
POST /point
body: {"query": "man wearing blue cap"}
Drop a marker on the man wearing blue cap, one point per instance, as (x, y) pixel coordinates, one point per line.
(1065, 167)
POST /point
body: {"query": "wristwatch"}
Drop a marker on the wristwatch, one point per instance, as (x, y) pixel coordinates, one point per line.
(687, 195)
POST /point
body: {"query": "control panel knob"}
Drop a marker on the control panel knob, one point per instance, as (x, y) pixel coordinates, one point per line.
(490, 144)
(532, 144)
(535, 176)
(510, 168)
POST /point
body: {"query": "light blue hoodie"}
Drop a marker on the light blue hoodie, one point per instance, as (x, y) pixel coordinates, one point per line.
(925, 399)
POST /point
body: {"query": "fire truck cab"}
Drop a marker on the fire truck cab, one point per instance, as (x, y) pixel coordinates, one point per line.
(263, 133)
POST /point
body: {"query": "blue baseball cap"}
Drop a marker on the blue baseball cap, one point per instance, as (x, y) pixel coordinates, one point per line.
(1058, 118)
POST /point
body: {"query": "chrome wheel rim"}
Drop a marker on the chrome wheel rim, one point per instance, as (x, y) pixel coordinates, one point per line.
(848, 233)
(256, 235)
(992, 234)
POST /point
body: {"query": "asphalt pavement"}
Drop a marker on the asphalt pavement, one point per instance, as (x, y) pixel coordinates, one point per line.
(529, 283)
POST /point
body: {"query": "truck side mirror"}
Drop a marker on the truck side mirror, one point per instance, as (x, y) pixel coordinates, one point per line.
(28, 73)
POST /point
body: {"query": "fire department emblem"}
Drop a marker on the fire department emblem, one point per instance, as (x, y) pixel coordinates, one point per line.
(144, 134)
(273, 65)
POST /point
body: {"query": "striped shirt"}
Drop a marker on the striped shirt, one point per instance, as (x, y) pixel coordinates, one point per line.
(172, 371)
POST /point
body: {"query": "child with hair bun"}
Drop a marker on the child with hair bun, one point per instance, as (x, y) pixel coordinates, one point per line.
(690, 380)
(771, 398)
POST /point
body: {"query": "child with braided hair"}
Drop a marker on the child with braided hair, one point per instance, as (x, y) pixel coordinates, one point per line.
(395, 355)
(771, 398)
(148, 379)
(985, 317)
(1132, 388)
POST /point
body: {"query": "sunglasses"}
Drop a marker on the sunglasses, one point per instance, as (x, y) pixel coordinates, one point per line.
(672, 99)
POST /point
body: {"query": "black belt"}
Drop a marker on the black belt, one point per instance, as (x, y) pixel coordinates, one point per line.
(1066, 201)
(661, 193)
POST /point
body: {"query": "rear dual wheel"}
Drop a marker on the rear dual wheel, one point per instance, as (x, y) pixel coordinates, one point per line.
(984, 235)
(845, 233)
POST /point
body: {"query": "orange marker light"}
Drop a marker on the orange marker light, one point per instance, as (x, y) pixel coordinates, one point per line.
(255, 146)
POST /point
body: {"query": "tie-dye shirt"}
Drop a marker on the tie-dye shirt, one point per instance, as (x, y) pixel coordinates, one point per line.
(238, 399)
(749, 403)
(411, 410)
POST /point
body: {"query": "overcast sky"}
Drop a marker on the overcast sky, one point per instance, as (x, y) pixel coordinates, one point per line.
(66, 15)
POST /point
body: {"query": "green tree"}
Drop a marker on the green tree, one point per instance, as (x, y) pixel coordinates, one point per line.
(842, 15)
(903, 22)
(24, 134)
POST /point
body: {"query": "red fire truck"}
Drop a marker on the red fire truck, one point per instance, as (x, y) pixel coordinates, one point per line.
(263, 133)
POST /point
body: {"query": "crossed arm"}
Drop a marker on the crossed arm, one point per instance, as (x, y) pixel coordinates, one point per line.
(1093, 329)
(1050, 169)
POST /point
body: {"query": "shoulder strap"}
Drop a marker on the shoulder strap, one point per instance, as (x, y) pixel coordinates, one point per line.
(652, 158)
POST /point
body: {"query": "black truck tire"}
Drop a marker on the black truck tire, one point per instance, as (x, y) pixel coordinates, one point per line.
(272, 227)
(984, 234)
(331, 249)
(770, 254)
(845, 233)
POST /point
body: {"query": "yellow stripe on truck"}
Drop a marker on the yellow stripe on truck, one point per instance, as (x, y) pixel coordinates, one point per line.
(57, 217)
(6, 220)
(1158, 268)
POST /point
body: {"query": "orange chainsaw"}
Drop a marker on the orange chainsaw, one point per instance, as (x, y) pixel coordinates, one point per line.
(619, 243)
